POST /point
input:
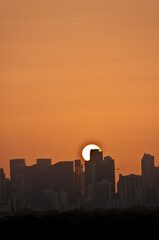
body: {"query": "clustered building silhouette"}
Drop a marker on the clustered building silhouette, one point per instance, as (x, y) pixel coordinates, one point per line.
(66, 185)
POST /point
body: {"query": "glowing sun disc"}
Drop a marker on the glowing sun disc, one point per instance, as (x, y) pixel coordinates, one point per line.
(86, 151)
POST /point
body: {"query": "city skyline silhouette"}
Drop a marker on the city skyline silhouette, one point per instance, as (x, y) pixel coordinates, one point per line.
(67, 185)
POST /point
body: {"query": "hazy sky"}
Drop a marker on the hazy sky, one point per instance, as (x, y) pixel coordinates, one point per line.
(77, 72)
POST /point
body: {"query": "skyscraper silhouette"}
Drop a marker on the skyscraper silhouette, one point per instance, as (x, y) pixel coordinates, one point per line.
(4, 188)
(79, 179)
(17, 167)
(99, 174)
(147, 168)
(62, 178)
(96, 156)
(106, 171)
(130, 190)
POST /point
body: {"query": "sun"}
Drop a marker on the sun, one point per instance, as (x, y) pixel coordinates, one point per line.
(86, 151)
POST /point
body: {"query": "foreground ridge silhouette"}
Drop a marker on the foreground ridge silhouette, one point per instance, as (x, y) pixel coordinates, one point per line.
(70, 185)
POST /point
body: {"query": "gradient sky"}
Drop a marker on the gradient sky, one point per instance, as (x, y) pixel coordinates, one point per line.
(77, 72)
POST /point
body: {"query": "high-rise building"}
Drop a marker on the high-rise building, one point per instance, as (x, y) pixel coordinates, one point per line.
(99, 171)
(156, 186)
(62, 178)
(106, 171)
(130, 189)
(96, 159)
(19, 189)
(147, 168)
(79, 179)
(96, 156)
(17, 167)
(28, 182)
(102, 194)
(4, 188)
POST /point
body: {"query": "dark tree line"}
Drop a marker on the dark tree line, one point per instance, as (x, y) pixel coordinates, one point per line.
(79, 224)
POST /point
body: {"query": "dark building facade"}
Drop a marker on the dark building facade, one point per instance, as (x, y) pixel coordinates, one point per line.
(29, 182)
(99, 174)
(147, 168)
(4, 188)
(17, 167)
(130, 190)
(149, 180)
(156, 186)
(96, 156)
(62, 178)
(79, 179)
(106, 171)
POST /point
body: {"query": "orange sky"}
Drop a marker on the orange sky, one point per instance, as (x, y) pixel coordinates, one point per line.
(76, 72)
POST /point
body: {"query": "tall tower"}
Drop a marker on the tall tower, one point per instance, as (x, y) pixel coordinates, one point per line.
(147, 167)
(4, 187)
(110, 171)
(17, 169)
(105, 171)
(91, 172)
(96, 156)
(79, 179)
